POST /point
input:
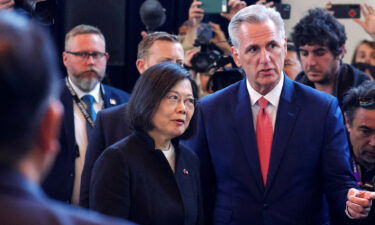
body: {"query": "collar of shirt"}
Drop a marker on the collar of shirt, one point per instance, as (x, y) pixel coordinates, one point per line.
(94, 92)
(273, 97)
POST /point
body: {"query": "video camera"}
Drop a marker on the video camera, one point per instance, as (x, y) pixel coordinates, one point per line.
(209, 56)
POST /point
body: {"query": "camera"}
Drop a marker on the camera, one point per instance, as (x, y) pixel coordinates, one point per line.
(209, 56)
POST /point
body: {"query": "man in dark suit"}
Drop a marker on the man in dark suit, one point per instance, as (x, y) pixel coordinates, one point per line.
(85, 59)
(111, 125)
(30, 122)
(272, 150)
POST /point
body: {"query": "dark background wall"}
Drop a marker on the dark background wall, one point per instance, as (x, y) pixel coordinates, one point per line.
(120, 22)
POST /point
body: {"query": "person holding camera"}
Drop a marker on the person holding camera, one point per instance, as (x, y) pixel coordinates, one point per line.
(359, 110)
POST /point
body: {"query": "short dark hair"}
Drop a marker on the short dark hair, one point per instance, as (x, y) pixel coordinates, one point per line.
(371, 44)
(319, 27)
(28, 82)
(146, 43)
(362, 96)
(151, 87)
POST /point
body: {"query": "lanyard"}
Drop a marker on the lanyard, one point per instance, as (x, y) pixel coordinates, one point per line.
(79, 103)
(356, 172)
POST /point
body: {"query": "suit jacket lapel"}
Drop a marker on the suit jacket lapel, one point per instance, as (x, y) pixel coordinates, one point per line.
(243, 121)
(288, 110)
(109, 101)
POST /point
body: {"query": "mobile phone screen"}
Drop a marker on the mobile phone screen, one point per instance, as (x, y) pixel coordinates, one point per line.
(346, 10)
(214, 6)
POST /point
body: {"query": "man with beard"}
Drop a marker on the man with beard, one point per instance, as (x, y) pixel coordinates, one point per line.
(320, 42)
(85, 59)
(359, 110)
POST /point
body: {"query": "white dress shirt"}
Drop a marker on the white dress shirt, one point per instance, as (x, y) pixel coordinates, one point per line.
(273, 97)
(81, 134)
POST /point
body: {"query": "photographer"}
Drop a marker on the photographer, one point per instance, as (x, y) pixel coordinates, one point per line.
(359, 109)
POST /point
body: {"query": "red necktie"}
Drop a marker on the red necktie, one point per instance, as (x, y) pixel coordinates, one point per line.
(264, 134)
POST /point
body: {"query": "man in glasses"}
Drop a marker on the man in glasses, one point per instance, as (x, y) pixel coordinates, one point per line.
(85, 59)
(359, 110)
(111, 125)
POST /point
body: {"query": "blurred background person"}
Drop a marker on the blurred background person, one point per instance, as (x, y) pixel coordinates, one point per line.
(30, 121)
(364, 58)
(292, 65)
(148, 177)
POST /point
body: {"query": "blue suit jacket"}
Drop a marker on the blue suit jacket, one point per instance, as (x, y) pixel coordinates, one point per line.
(309, 158)
(59, 183)
(22, 202)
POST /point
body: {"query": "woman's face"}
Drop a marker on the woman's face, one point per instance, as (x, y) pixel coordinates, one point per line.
(174, 113)
(365, 54)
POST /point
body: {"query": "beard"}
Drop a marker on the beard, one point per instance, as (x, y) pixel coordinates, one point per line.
(87, 80)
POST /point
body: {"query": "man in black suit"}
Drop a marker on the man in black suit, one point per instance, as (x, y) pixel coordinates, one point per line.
(110, 125)
(30, 124)
(85, 59)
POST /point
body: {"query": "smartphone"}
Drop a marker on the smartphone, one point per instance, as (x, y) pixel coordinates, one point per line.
(284, 10)
(346, 10)
(214, 6)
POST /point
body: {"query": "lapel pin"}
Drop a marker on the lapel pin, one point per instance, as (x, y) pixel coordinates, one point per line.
(185, 171)
(113, 101)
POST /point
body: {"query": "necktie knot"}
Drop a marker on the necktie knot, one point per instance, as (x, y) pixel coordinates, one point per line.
(88, 99)
(262, 103)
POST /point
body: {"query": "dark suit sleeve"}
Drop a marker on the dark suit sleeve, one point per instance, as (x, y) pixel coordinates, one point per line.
(337, 174)
(96, 146)
(198, 143)
(110, 184)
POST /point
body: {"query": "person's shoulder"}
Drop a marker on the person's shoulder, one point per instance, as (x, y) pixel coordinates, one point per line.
(116, 92)
(76, 215)
(113, 111)
(308, 95)
(358, 76)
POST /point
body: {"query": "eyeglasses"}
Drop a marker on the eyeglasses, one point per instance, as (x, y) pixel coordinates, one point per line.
(174, 100)
(86, 55)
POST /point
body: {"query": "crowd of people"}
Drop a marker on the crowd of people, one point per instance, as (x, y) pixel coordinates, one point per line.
(289, 139)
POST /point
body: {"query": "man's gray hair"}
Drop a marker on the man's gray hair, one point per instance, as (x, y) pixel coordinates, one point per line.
(82, 29)
(254, 14)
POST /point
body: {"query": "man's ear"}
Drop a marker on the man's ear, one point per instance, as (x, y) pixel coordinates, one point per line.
(64, 56)
(347, 123)
(342, 52)
(235, 56)
(141, 65)
(49, 128)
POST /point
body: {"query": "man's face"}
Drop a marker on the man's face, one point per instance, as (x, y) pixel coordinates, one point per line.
(292, 65)
(85, 73)
(161, 51)
(318, 63)
(260, 52)
(362, 136)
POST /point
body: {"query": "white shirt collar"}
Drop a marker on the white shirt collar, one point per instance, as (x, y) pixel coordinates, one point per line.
(273, 97)
(94, 92)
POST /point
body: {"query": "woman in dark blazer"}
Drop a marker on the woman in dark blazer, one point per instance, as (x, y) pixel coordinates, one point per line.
(148, 177)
